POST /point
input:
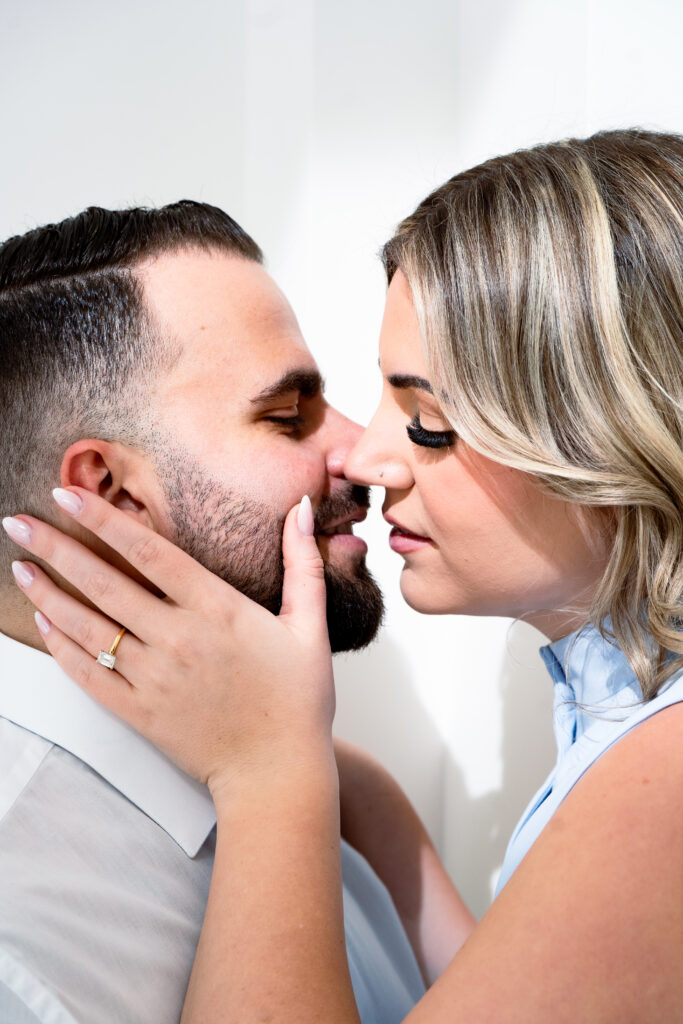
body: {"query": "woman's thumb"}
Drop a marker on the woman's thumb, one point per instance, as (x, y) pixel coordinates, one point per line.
(304, 597)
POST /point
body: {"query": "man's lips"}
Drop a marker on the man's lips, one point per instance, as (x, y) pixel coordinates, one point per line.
(344, 525)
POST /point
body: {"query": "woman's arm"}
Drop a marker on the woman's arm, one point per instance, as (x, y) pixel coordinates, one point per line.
(272, 946)
(379, 821)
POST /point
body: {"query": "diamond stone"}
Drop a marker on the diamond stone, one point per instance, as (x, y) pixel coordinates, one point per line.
(106, 659)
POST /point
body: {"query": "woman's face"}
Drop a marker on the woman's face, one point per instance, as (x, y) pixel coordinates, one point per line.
(477, 538)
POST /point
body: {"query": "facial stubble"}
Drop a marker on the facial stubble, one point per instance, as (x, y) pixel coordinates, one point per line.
(239, 539)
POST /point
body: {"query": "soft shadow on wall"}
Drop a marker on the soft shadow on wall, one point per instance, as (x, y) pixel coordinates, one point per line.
(477, 829)
(379, 708)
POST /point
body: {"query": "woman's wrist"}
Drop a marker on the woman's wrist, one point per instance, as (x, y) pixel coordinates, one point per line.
(311, 774)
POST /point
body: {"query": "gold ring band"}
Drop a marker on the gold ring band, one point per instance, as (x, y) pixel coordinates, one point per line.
(108, 658)
(117, 641)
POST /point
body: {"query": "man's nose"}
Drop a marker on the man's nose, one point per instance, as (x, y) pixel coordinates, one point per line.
(343, 434)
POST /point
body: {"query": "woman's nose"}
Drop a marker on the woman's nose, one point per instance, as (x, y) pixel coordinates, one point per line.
(374, 460)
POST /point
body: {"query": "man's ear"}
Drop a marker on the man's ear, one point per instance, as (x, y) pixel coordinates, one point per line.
(114, 472)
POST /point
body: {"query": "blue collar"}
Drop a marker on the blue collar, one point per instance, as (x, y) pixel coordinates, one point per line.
(593, 679)
(594, 668)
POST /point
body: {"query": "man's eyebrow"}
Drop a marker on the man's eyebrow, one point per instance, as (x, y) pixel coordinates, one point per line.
(307, 382)
(409, 380)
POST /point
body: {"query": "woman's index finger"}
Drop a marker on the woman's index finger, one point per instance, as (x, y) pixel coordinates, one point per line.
(166, 566)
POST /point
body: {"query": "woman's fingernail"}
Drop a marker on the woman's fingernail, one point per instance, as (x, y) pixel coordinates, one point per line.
(305, 517)
(67, 500)
(18, 530)
(23, 573)
(43, 624)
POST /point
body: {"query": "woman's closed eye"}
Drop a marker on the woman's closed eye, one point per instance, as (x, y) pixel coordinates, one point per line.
(429, 438)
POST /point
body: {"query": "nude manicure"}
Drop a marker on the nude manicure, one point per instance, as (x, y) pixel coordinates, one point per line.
(305, 517)
(23, 574)
(18, 530)
(43, 624)
(67, 500)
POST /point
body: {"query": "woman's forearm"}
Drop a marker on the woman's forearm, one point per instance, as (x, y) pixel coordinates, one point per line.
(272, 945)
(378, 820)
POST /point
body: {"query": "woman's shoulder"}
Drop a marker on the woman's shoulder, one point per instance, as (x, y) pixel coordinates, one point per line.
(589, 722)
(628, 810)
(625, 814)
(592, 920)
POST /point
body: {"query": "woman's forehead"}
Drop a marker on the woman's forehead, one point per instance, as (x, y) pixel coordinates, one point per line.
(400, 343)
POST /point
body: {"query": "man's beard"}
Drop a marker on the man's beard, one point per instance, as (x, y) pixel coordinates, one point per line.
(240, 540)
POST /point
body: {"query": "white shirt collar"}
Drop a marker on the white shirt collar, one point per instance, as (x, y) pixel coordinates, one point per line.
(37, 695)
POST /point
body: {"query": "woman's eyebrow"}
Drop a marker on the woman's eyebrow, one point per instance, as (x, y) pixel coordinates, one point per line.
(409, 380)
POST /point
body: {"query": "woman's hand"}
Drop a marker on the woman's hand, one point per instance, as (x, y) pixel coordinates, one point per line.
(241, 699)
(214, 680)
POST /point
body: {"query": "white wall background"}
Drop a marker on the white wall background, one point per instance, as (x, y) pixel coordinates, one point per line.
(319, 124)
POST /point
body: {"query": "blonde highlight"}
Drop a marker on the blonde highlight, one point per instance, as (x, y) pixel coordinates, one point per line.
(548, 288)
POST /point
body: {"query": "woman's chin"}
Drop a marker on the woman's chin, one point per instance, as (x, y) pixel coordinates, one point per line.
(439, 597)
(425, 598)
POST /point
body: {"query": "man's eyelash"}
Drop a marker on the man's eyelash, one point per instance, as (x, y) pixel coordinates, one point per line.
(295, 422)
(429, 438)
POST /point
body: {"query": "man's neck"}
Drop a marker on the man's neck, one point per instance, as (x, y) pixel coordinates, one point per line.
(15, 624)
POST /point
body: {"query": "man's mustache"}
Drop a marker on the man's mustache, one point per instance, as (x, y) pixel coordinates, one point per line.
(341, 505)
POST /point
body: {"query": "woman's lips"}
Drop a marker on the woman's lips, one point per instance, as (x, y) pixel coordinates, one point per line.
(402, 541)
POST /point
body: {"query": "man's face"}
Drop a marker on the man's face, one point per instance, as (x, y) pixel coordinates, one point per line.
(249, 434)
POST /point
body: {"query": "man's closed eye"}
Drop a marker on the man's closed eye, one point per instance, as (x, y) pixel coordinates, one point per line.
(293, 422)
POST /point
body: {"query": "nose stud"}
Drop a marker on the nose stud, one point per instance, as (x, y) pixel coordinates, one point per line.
(381, 473)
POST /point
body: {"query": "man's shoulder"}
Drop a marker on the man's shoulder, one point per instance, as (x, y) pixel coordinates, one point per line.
(98, 901)
(39, 779)
(24, 999)
(21, 754)
(68, 836)
(47, 790)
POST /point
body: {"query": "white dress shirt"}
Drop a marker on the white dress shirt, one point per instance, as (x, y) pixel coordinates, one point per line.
(106, 852)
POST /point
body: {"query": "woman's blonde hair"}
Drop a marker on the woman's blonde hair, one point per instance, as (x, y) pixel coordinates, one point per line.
(548, 286)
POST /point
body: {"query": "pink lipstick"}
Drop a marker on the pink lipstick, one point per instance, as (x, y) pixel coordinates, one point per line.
(403, 541)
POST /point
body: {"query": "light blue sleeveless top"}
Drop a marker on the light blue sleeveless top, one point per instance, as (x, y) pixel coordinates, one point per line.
(595, 675)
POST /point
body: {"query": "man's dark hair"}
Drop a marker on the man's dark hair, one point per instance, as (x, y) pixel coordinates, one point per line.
(76, 341)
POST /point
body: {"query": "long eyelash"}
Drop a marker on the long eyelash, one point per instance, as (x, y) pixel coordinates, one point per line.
(429, 438)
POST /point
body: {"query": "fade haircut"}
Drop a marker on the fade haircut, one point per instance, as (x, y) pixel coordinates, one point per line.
(78, 347)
